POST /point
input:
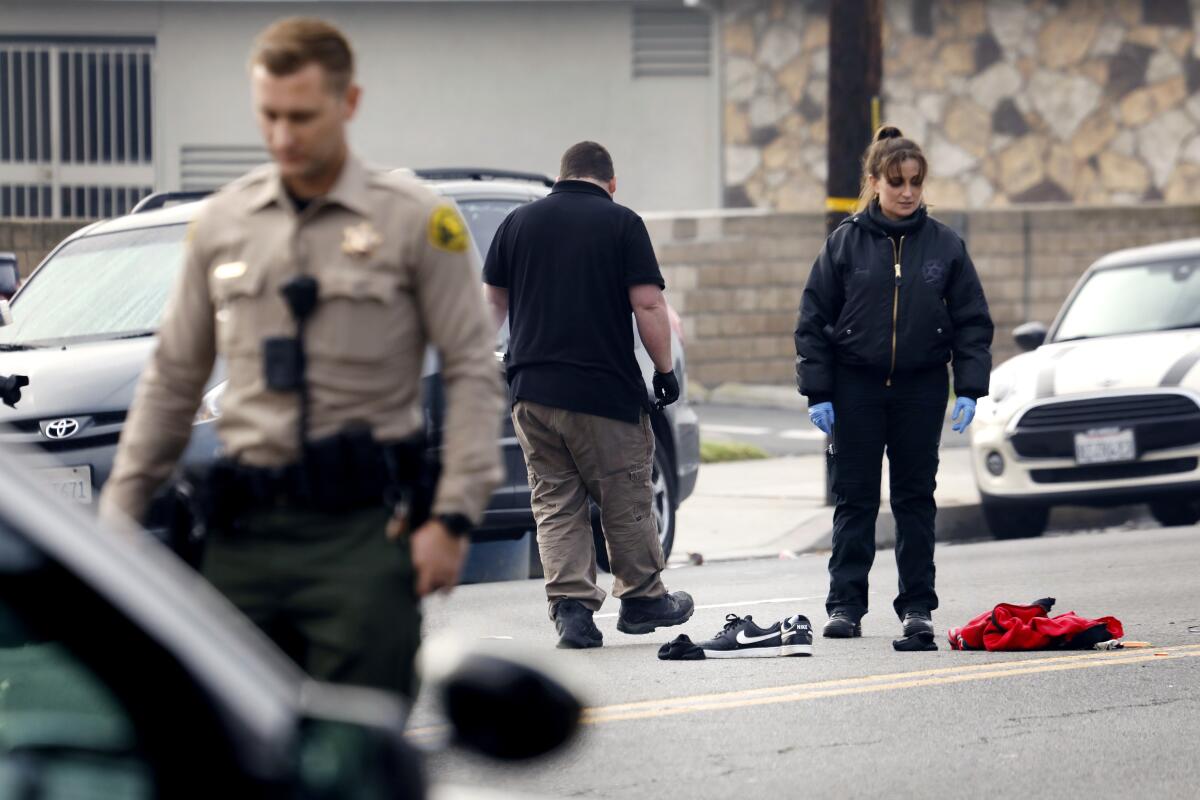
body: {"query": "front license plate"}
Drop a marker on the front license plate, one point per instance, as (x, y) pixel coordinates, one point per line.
(71, 483)
(1104, 446)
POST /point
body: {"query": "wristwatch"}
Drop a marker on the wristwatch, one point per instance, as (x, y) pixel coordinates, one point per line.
(458, 524)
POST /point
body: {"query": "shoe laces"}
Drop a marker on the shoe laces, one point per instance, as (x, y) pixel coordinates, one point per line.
(733, 620)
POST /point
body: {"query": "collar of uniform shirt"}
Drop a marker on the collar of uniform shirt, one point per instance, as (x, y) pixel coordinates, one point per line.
(585, 187)
(351, 190)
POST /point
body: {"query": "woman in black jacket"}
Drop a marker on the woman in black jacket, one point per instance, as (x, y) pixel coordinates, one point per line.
(892, 298)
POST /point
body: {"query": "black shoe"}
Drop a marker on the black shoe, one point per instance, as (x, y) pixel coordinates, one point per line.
(576, 630)
(741, 638)
(917, 620)
(842, 624)
(796, 636)
(643, 615)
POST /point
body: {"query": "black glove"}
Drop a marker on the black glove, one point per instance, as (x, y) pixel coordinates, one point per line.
(666, 388)
(11, 385)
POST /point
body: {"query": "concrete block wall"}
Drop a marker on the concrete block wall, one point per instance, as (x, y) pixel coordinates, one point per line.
(736, 277)
(32, 240)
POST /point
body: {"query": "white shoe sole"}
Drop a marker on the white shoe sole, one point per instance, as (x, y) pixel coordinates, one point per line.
(762, 652)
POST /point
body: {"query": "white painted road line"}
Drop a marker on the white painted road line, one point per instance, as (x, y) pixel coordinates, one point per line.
(737, 430)
(741, 604)
(799, 433)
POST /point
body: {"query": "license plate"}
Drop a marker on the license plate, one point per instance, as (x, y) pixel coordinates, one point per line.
(70, 483)
(1105, 445)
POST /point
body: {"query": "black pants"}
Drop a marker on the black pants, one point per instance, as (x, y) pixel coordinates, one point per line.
(905, 418)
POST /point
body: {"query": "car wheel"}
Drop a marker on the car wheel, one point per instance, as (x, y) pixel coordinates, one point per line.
(663, 485)
(1010, 521)
(1175, 512)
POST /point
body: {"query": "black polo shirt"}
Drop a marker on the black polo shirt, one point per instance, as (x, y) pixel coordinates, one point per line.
(568, 261)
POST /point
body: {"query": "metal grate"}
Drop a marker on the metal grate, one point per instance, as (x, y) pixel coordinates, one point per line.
(1101, 412)
(76, 115)
(209, 167)
(671, 43)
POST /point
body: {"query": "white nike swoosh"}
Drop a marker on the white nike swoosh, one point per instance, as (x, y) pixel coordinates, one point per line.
(742, 638)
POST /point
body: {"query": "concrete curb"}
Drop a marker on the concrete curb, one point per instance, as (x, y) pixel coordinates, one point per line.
(965, 523)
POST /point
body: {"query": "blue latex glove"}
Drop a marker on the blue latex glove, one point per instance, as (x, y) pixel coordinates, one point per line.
(821, 415)
(963, 407)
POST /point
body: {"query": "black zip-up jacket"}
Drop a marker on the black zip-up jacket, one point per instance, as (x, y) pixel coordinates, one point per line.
(860, 309)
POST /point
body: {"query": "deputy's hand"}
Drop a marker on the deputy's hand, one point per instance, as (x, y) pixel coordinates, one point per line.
(963, 407)
(437, 557)
(821, 415)
(666, 388)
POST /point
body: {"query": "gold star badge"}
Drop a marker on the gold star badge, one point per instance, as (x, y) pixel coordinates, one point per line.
(360, 240)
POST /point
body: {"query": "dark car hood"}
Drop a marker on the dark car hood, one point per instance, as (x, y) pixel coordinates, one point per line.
(79, 378)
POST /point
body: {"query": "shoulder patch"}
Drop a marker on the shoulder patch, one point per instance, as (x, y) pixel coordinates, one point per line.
(447, 231)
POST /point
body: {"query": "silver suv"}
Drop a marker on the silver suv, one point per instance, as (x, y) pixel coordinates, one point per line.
(84, 327)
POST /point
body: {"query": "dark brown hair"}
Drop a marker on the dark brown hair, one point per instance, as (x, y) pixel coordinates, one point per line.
(883, 158)
(291, 44)
(586, 160)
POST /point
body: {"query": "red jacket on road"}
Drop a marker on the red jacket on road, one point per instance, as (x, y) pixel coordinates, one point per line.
(1013, 627)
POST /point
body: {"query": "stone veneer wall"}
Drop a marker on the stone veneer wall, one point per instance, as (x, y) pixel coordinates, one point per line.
(1015, 101)
(736, 277)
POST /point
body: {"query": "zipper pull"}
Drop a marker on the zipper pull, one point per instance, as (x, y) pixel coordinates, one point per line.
(897, 274)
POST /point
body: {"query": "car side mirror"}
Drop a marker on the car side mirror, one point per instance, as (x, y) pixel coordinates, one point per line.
(1030, 336)
(10, 275)
(508, 710)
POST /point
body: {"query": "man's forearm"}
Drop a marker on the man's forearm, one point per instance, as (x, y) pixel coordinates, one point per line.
(654, 326)
(497, 300)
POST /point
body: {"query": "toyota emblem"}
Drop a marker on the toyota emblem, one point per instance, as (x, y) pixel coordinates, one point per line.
(61, 428)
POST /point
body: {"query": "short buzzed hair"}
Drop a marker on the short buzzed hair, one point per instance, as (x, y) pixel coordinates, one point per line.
(586, 160)
(291, 44)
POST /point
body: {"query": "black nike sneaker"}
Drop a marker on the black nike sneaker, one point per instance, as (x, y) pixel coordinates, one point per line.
(796, 636)
(741, 638)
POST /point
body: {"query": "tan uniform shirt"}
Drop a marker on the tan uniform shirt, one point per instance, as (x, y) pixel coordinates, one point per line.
(396, 271)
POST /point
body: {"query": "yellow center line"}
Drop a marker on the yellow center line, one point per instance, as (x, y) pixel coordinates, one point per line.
(876, 683)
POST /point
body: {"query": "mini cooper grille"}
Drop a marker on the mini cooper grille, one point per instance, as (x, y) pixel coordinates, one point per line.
(1103, 411)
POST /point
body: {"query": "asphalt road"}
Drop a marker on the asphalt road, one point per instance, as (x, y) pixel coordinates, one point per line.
(780, 432)
(858, 719)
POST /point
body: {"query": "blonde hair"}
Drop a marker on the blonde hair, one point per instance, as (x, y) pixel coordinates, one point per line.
(889, 149)
(291, 44)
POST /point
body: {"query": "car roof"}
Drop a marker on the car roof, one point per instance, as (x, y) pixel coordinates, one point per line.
(1163, 251)
(183, 213)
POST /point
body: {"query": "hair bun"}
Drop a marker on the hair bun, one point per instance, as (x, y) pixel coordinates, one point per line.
(888, 132)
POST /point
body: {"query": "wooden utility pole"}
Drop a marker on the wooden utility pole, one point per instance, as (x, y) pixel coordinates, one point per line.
(853, 109)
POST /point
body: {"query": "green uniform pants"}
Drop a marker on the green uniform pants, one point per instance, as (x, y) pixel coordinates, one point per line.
(330, 589)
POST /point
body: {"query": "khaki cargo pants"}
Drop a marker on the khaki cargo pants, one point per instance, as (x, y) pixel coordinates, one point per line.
(571, 457)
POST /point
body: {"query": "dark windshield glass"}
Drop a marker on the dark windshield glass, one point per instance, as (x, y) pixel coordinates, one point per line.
(1135, 299)
(104, 286)
(484, 217)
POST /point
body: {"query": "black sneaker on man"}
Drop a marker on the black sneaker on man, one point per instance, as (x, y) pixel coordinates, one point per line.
(741, 638)
(644, 614)
(917, 620)
(576, 629)
(843, 624)
(796, 636)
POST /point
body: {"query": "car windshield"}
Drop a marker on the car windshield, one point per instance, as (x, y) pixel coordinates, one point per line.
(483, 217)
(1140, 298)
(106, 286)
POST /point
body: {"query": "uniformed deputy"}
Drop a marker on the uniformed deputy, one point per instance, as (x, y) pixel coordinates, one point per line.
(320, 284)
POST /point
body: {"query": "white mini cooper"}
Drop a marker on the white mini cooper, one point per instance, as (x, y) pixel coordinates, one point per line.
(1104, 409)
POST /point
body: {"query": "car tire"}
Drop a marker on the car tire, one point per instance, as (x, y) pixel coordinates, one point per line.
(662, 480)
(1012, 521)
(1170, 513)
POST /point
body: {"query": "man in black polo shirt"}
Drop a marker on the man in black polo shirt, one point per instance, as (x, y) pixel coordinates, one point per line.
(568, 271)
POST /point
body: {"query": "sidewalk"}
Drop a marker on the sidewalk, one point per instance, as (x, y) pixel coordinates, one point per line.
(775, 508)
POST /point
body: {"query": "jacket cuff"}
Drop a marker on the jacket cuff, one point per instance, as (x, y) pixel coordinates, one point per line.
(818, 397)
